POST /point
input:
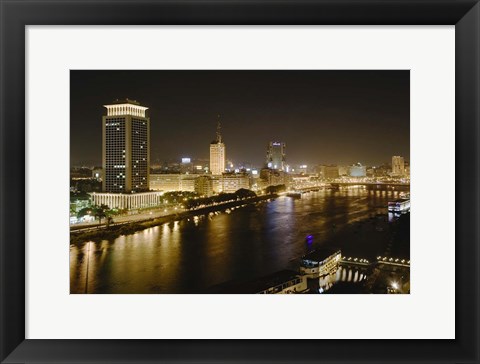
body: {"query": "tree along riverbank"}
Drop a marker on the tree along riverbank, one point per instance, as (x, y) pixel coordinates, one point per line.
(115, 231)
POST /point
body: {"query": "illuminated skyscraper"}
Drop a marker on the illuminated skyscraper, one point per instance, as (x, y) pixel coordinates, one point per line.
(398, 166)
(276, 155)
(186, 166)
(217, 154)
(126, 147)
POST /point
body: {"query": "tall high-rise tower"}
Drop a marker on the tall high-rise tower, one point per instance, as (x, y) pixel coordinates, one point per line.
(217, 153)
(398, 166)
(276, 155)
(126, 147)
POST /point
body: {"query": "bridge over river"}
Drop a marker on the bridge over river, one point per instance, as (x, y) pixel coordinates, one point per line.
(368, 184)
(351, 184)
(352, 269)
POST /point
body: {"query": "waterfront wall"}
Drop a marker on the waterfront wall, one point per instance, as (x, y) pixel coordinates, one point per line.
(115, 230)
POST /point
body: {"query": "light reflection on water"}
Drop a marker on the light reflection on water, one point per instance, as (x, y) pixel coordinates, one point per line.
(189, 256)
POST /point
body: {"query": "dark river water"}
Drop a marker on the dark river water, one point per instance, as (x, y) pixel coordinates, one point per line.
(255, 240)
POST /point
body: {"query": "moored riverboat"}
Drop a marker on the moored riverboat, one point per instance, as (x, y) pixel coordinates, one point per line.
(294, 194)
(400, 205)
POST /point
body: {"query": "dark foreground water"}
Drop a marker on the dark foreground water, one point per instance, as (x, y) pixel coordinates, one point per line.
(189, 256)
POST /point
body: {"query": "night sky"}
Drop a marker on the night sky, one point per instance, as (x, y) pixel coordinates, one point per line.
(325, 117)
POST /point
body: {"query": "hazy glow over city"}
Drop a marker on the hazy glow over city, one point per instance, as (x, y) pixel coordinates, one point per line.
(324, 117)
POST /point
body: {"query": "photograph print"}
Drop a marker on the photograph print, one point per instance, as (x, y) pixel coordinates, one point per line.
(239, 182)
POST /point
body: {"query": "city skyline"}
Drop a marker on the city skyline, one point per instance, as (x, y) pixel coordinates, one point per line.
(380, 105)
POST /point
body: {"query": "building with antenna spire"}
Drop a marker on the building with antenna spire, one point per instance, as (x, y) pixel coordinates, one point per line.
(219, 134)
(217, 153)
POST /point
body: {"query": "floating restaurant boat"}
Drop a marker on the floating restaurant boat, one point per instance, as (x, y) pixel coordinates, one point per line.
(281, 282)
(401, 205)
(320, 263)
(294, 194)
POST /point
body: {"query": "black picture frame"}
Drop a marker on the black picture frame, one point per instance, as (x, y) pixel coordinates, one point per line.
(16, 14)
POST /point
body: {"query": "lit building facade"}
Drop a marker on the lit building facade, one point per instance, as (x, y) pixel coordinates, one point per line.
(398, 166)
(217, 184)
(127, 200)
(302, 181)
(331, 172)
(217, 154)
(165, 182)
(381, 171)
(172, 182)
(187, 183)
(328, 172)
(358, 170)
(343, 170)
(271, 177)
(232, 182)
(276, 155)
(204, 186)
(125, 148)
